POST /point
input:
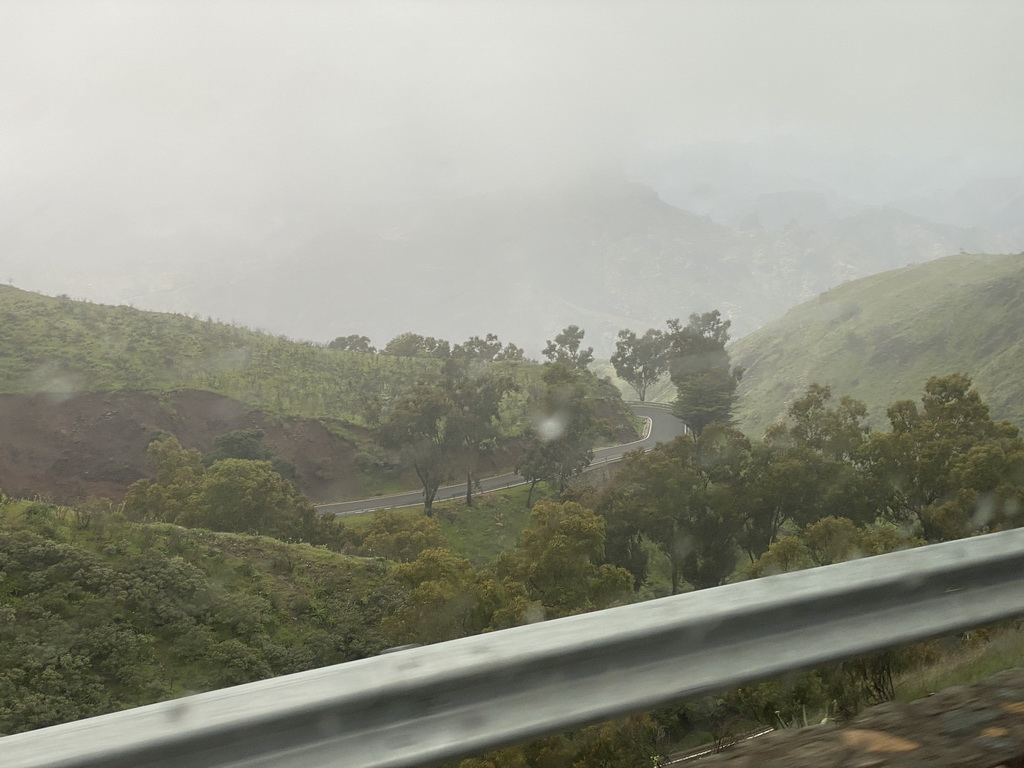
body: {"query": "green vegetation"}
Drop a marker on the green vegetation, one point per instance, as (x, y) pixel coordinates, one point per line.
(878, 338)
(702, 382)
(99, 614)
(560, 444)
(821, 488)
(239, 495)
(478, 533)
(701, 372)
(484, 388)
(640, 360)
(59, 345)
(444, 425)
(567, 349)
(944, 471)
(491, 526)
(967, 659)
(113, 608)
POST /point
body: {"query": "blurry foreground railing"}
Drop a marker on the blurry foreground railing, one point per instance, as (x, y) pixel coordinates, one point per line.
(440, 702)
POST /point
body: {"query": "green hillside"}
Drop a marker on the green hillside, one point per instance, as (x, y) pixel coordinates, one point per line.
(880, 338)
(99, 614)
(59, 345)
(153, 369)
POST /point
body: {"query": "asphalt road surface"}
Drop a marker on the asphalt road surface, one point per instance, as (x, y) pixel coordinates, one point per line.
(663, 427)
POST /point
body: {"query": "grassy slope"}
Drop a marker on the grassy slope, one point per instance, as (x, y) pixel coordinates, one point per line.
(880, 338)
(965, 660)
(59, 345)
(52, 344)
(481, 532)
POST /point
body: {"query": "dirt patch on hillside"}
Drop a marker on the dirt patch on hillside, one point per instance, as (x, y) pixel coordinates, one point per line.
(70, 447)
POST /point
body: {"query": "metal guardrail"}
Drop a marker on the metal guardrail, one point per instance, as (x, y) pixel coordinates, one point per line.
(424, 705)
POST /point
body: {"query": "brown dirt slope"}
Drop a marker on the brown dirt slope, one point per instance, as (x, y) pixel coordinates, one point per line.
(977, 726)
(69, 447)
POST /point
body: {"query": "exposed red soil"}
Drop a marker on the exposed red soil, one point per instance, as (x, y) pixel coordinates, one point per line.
(70, 447)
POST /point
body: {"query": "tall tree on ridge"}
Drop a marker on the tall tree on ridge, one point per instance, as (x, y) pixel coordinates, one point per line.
(700, 368)
(640, 360)
(566, 348)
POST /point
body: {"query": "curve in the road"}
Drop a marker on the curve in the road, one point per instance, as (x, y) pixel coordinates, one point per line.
(663, 428)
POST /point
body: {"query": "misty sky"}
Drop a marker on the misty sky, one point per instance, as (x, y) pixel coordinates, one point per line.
(134, 106)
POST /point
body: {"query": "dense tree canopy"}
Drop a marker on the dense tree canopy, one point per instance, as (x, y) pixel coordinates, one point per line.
(445, 423)
(98, 614)
(415, 345)
(353, 343)
(230, 495)
(487, 350)
(682, 497)
(948, 467)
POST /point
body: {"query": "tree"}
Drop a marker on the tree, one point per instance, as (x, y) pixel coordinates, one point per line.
(566, 349)
(353, 343)
(401, 538)
(700, 368)
(417, 426)
(808, 467)
(948, 467)
(510, 352)
(240, 444)
(780, 486)
(172, 463)
(414, 345)
(683, 496)
(705, 397)
(445, 598)
(834, 432)
(240, 495)
(560, 442)
(559, 561)
(178, 473)
(248, 444)
(230, 495)
(640, 361)
(445, 422)
(486, 350)
(537, 462)
(472, 423)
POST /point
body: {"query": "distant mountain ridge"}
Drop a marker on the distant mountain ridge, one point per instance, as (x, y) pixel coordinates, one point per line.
(603, 255)
(878, 339)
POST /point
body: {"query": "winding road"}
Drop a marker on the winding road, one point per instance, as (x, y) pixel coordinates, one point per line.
(662, 427)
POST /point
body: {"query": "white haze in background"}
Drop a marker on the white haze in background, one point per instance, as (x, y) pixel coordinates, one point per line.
(239, 121)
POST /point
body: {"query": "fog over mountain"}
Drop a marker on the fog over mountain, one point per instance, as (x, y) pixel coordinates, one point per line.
(452, 168)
